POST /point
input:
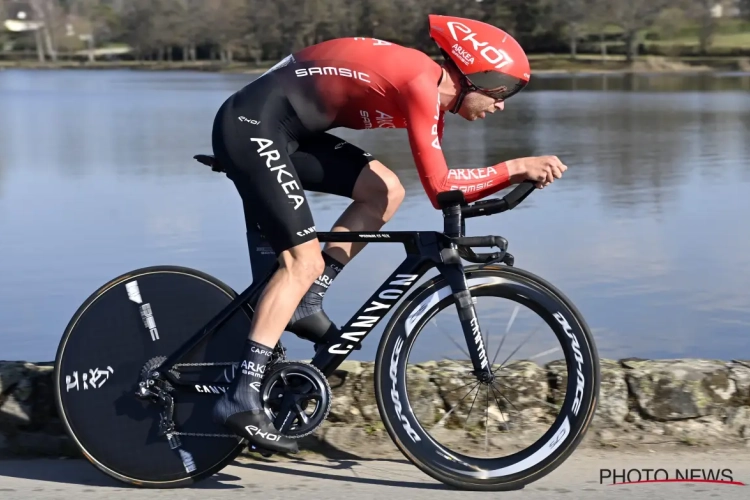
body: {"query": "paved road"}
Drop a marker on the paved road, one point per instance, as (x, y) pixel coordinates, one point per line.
(347, 479)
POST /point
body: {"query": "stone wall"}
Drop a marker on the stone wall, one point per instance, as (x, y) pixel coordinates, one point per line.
(642, 402)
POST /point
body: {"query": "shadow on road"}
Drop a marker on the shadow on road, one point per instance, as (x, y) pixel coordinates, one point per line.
(83, 473)
(339, 465)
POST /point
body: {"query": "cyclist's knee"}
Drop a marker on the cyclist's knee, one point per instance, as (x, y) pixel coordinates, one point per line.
(396, 191)
(394, 195)
(304, 262)
(381, 189)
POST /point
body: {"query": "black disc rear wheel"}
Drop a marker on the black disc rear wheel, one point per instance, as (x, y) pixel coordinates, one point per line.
(130, 323)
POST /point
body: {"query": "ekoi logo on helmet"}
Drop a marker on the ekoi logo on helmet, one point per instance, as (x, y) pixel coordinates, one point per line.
(497, 57)
(489, 58)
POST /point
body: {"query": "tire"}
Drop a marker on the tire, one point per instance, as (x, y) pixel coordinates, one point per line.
(118, 432)
(527, 465)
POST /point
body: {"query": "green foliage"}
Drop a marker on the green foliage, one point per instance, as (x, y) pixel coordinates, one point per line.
(259, 30)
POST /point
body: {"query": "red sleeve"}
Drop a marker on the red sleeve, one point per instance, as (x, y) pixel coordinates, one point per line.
(419, 102)
(441, 127)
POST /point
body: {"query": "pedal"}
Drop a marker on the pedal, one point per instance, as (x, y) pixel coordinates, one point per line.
(262, 451)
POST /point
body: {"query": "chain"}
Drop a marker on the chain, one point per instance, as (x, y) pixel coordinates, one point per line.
(202, 434)
(229, 363)
(278, 355)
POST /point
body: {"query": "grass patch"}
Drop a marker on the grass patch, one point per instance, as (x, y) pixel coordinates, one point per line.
(720, 41)
(374, 427)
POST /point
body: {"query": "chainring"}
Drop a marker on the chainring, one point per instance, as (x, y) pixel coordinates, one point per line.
(288, 390)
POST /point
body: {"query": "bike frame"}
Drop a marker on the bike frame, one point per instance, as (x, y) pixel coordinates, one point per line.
(424, 251)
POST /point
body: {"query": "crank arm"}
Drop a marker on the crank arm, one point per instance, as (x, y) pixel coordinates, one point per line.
(285, 417)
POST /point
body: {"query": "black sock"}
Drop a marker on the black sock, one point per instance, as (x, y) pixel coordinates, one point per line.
(312, 301)
(243, 393)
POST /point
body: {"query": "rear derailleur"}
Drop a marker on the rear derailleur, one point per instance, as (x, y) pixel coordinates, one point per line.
(157, 390)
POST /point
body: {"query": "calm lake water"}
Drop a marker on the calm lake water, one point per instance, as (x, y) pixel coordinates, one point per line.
(647, 232)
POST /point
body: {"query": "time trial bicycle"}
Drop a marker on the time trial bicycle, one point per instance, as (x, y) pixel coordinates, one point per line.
(142, 360)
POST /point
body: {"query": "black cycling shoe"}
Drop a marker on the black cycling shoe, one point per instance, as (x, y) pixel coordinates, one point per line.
(316, 327)
(259, 432)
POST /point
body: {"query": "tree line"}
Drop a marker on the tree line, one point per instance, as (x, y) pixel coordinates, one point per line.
(262, 30)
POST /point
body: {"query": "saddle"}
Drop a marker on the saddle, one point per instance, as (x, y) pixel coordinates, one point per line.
(211, 161)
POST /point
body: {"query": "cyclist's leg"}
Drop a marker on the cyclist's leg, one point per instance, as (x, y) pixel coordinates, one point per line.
(252, 147)
(328, 164)
(331, 165)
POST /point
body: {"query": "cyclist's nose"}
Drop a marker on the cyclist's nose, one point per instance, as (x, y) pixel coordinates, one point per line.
(500, 105)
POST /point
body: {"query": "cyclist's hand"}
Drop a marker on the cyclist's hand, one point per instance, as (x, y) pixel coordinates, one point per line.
(542, 169)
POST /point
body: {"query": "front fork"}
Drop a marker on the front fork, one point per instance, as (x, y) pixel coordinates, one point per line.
(452, 269)
(454, 274)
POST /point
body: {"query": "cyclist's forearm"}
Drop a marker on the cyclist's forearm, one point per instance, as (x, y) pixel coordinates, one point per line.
(476, 183)
(516, 170)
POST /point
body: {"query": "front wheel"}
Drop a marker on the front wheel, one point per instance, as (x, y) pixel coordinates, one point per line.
(421, 404)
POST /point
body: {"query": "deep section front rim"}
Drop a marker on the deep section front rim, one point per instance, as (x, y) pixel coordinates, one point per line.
(528, 464)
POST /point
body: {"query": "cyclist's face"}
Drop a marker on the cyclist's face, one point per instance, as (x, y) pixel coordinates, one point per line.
(476, 105)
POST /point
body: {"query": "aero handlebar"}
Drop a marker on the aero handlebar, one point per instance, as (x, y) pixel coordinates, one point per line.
(507, 202)
(455, 210)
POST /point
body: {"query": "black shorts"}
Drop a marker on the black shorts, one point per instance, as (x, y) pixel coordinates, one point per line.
(272, 157)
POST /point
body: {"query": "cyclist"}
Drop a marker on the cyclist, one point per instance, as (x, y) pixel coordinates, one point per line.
(271, 137)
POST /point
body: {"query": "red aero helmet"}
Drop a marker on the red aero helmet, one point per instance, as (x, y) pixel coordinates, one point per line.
(492, 61)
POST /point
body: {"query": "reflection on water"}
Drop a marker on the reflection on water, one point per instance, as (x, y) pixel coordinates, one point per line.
(645, 82)
(645, 232)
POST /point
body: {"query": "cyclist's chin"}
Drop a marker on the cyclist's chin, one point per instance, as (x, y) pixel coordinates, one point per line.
(471, 114)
